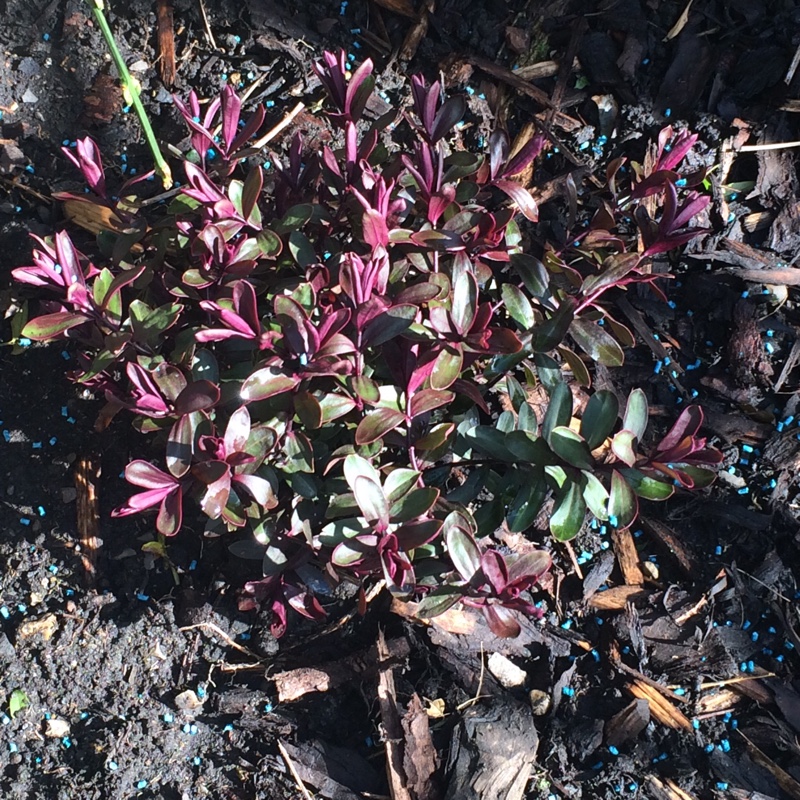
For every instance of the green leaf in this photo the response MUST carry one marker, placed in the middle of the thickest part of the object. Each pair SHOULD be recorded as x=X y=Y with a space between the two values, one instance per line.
x=506 y=422
x=371 y=500
x=339 y=531
x=301 y=249
x=416 y=503
x=553 y=330
x=463 y=551
x=465 y=295
x=148 y=324
x=701 y=476
x=437 y=602
x=298 y=452
x=377 y=424
x=576 y=364
x=533 y=274
x=622 y=502
x=50 y=326
x=613 y=270
x=647 y=487
x=599 y=417
x=334 y=406
x=516 y=394
x=518 y=306
x=308 y=409
x=356 y=466
x=597 y=342
x=559 y=410
x=528 y=448
x=548 y=370
x=435 y=437
x=569 y=512
x=295 y=218
x=16 y=702
x=267 y=382
x=400 y=482
x=527 y=502
x=526 y=421
x=571 y=447
x=446 y=368
x=389 y=324
x=490 y=441
x=636 y=413
x=366 y=389
x=595 y=495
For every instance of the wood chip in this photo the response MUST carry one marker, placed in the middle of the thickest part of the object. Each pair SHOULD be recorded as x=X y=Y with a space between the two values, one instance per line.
x=87 y=475
x=44 y=626
x=294 y=684
x=393 y=729
x=628 y=723
x=662 y=710
x=616 y=598
x=419 y=759
x=166 y=41
x=628 y=558
x=666 y=789
x=403 y=7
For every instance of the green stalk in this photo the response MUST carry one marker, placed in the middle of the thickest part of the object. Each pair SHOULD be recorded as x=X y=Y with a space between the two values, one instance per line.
x=130 y=86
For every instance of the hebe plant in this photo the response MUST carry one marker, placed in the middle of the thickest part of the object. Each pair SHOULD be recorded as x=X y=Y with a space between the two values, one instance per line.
x=326 y=363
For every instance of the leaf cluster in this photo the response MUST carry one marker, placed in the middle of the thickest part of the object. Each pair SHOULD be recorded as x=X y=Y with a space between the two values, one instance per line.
x=316 y=351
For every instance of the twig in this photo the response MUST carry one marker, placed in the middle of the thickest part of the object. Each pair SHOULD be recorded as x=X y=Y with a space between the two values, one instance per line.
x=478 y=695
x=754 y=148
x=281 y=126
x=289 y=763
x=206 y=26
x=224 y=636
x=740 y=679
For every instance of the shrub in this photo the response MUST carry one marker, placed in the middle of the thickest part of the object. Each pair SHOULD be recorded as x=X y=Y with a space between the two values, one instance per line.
x=320 y=362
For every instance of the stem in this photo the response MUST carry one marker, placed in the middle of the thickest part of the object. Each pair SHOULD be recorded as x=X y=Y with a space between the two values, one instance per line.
x=131 y=86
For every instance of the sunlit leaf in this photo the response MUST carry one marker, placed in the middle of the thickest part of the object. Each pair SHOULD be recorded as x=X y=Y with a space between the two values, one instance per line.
x=647 y=487
x=267 y=382
x=559 y=410
x=377 y=424
x=518 y=306
x=569 y=513
x=371 y=500
x=595 y=495
x=622 y=445
x=597 y=342
x=463 y=552
x=636 y=414
x=570 y=446
x=622 y=503
x=49 y=326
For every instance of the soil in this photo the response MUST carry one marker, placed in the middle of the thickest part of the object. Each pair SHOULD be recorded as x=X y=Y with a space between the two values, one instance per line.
x=132 y=677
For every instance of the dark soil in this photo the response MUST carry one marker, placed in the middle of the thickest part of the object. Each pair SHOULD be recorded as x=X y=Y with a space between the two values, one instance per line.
x=144 y=680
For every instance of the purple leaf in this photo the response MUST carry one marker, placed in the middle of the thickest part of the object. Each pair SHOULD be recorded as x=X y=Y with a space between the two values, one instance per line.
x=452 y=110
x=267 y=382
x=428 y=400
x=198 y=396
x=377 y=424
x=521 y=196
